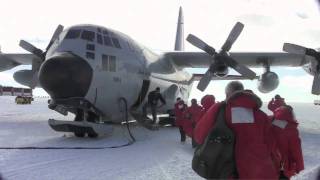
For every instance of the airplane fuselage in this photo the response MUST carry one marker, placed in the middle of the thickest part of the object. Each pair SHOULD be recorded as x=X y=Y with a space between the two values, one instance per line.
x=121 y=68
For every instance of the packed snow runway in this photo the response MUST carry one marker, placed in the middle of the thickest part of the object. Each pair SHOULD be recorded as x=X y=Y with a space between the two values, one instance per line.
x=155 y=155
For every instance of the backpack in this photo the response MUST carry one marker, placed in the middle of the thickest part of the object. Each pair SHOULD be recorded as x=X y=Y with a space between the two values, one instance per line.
x=214 y=159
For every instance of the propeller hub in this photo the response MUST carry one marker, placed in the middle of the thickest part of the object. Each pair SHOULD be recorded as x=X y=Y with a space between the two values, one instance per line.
x=221 y=60
x=219 y=68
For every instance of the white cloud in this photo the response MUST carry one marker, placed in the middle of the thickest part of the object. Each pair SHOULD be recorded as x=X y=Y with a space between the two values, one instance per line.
x=153 y=24
x=301 y=82
x=6 y=79
x=215 y=88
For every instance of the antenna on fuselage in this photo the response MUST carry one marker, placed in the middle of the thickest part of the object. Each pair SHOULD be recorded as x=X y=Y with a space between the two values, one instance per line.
x=179 y=45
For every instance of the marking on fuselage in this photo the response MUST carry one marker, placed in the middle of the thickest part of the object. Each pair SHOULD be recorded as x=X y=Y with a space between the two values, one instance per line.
x=117 y=79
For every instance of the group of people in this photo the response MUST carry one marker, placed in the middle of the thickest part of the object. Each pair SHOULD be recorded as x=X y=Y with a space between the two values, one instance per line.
x=266 y=147
x=188 y=117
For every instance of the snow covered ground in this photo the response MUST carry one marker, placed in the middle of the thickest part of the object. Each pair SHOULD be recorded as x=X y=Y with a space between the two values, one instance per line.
x=155 y=155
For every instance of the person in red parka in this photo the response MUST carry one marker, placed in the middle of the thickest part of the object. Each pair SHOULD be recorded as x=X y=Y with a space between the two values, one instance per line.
x=179 y=109
x=191 y=116
x=284 y=128
x=276 y=102
x=252 y=130
x=207 y=101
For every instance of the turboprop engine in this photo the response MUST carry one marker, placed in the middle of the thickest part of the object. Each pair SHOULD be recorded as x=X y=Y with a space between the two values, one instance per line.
x=220 y=69
x=26 y=77
x=30 y=77
x=314 y=66
x=221 y=60
x=268 y=82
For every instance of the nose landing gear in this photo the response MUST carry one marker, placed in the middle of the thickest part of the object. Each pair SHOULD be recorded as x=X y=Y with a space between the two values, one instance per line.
x=81 y=116
x=87 y=119
x=84 y=123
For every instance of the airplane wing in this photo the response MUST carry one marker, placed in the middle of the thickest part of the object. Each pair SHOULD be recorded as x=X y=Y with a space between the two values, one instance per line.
x=8 y=61
x=251 y=59
x=197 y=77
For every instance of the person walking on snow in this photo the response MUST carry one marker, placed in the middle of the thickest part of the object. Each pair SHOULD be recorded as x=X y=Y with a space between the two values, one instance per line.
x=192 y=116
x=207 y=101
x=252 y=130
x=276 y=102
x=153 y=98
x=179 y=109
x=285 y=130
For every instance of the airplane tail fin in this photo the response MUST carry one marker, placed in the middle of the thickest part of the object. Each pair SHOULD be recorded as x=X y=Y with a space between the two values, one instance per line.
x=179 y=45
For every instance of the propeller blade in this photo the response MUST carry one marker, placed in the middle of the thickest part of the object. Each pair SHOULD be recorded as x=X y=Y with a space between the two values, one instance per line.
x=243 y=70
x=205 y=80
x=234 y=34
x=194 y=40
x=55 y=35
x=31 y=48
x=316 y=84
x=293 y=48
x=296 y=49
x=34 y=80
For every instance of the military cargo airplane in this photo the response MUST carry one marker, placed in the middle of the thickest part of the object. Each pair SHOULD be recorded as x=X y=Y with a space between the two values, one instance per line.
x=97 y=73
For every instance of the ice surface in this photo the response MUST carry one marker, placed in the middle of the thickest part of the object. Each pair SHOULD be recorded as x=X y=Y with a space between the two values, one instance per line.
x=155 y=155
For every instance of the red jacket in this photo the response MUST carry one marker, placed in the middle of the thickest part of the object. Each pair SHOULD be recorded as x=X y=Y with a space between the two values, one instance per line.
x=191 y=117
x=207 y=101
x=287 y=137
x=179 y=109
x=275 y=103
x=251 y=128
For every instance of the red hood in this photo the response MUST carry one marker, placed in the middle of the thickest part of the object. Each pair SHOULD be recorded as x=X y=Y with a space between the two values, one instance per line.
x=207 y=101
x=279 y=102
x=245 y=99
x=285 y=113
x=181 y=102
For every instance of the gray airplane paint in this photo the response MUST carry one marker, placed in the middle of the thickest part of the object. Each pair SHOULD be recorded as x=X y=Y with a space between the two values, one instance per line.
x=179 y=45
x=134 y=64
x=135 y=69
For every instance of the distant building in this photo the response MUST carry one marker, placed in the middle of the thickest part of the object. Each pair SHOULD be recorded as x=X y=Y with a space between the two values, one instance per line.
x=12 y=91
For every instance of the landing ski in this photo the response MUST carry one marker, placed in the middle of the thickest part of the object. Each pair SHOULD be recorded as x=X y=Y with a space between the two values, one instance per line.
x=81 y=127
x=145 y=121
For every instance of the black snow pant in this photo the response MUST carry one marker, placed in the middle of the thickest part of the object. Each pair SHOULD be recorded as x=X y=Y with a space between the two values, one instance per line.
x=194 y=143
x=182 y=134
x=153 y=111
x=282 y=176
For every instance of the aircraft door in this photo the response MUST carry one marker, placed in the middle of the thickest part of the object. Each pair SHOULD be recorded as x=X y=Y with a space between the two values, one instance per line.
x=142 y=94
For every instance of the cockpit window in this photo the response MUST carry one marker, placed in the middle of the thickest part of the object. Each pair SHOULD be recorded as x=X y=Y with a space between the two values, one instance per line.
x=116 y=43
x=87 y=35
x=107 y=41
x=105 y=32
x=99 y=39
x=73 y=34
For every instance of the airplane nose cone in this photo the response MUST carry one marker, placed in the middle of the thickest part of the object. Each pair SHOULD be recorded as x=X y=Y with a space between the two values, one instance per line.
x=65 y=75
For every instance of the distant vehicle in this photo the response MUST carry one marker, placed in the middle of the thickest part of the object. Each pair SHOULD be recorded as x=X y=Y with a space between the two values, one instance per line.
x=316 y=102
x=24 y=99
